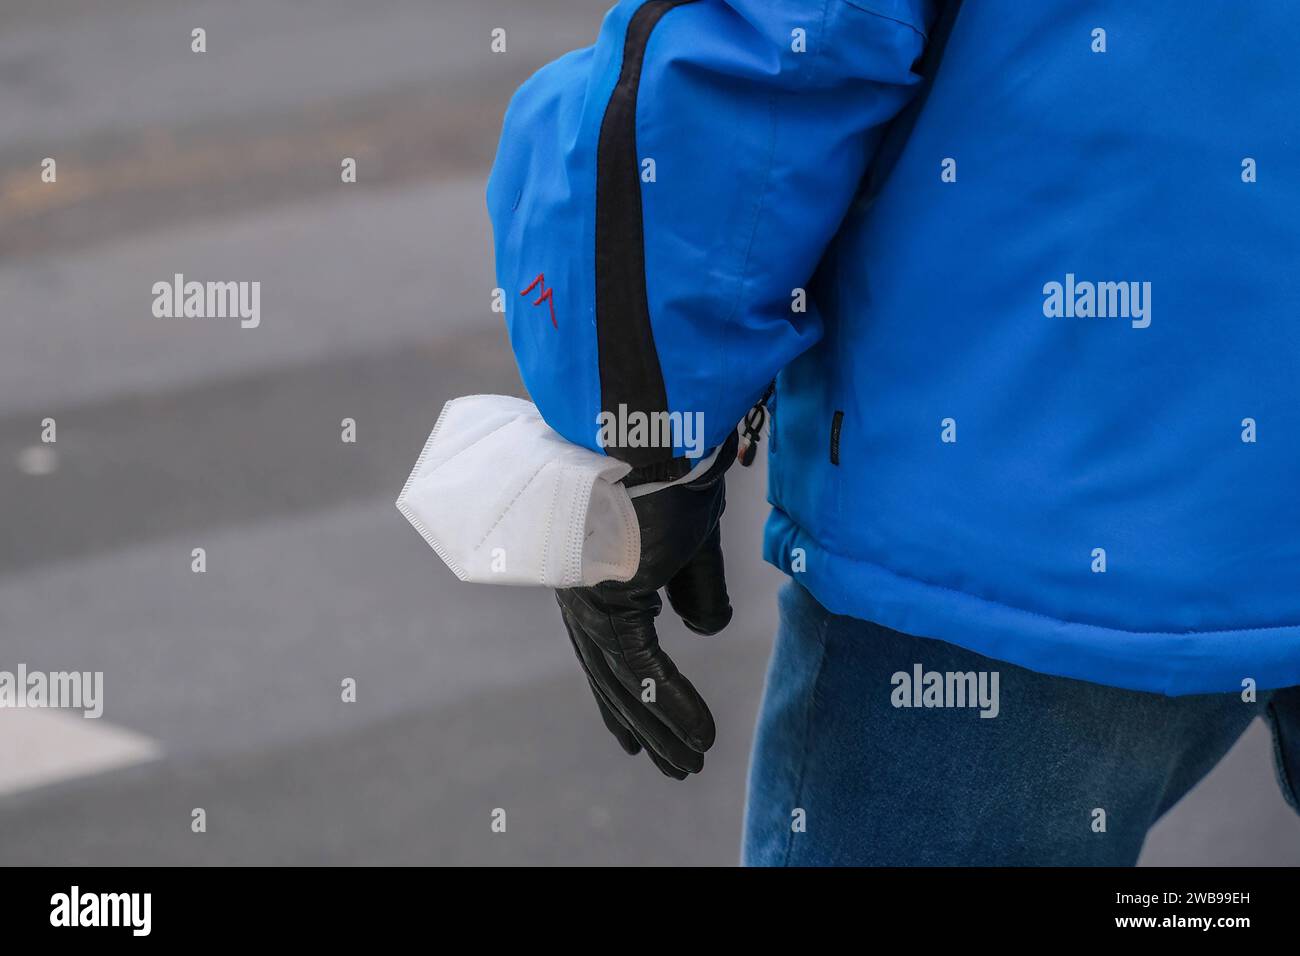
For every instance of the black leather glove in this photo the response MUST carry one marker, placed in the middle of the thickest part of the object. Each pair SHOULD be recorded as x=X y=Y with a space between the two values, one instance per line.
x=612 y=625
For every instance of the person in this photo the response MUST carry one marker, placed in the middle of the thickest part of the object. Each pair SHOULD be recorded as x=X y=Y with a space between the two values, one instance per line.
x=1024 y=277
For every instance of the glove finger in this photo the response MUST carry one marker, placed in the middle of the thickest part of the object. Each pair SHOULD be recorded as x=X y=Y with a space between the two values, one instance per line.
x=652 y=732
x=674 y=699
x=628 y=647
x=698 y=592
x=614 y=724
x=666 y=768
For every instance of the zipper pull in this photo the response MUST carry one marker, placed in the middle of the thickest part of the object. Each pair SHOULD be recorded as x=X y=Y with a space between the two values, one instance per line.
x=752 y=428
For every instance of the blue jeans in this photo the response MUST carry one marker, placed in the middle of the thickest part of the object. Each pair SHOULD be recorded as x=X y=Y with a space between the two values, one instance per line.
x=871 y=750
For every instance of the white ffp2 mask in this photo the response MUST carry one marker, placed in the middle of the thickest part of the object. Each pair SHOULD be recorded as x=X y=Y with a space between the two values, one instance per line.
x=504 y=499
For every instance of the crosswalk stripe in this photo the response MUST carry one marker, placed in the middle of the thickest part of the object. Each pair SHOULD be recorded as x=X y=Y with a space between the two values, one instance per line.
x=40 y=747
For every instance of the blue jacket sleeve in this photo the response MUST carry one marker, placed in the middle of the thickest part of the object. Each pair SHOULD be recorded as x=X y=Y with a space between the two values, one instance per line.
x=658 y=198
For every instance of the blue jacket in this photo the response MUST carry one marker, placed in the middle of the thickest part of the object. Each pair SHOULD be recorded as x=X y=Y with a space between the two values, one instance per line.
x=1035 y=320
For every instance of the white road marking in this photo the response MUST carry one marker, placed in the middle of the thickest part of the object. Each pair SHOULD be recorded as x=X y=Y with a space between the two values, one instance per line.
x=39 y=747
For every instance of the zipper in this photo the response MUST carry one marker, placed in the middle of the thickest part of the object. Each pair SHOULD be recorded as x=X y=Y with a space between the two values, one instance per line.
x=751 y=430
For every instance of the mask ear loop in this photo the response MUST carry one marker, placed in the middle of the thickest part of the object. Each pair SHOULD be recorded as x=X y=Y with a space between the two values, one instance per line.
x=700 y=468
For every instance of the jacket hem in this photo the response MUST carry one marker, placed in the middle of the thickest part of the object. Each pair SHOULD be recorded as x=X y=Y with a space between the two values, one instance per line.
x=1170 y=663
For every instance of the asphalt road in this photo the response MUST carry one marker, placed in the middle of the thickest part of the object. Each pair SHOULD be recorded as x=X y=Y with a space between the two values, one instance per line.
x=223 y=688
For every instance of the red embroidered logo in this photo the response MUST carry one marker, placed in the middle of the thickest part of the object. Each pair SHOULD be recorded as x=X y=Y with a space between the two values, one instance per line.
x=544 y=296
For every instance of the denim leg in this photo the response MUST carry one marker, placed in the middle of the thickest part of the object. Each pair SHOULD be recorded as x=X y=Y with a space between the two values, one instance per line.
x=1066 y=772
x=781 y=741
x=1284 y=721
